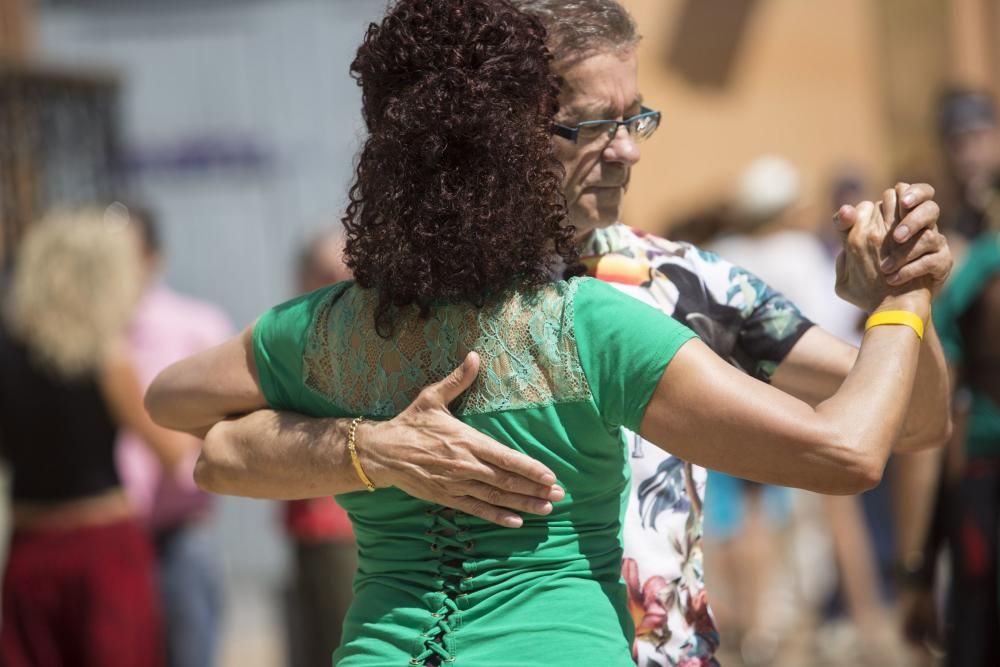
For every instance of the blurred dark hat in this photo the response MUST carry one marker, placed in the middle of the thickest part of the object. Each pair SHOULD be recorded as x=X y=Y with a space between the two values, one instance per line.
x=964 y=111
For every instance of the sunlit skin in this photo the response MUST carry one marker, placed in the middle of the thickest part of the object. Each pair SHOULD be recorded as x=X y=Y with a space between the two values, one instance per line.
x=604 y=86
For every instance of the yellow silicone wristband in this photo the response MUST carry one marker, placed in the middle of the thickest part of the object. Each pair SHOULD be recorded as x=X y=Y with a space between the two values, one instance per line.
x=903 y=317
x=354 y=455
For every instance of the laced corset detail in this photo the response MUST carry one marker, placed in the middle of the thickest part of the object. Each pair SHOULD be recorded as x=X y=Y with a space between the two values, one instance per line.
x=525 y=340
x=451 y=544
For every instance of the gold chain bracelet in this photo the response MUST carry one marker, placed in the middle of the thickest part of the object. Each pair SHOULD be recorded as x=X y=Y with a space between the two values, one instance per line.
x=354 y=454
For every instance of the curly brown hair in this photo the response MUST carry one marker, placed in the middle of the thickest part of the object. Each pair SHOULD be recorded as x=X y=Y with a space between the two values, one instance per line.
x=457 y=192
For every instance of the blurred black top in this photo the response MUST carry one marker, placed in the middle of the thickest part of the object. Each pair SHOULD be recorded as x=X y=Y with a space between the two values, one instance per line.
x=57 y=435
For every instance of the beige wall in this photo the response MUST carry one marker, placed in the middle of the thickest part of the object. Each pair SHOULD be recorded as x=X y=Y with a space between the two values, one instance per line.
x=806 y=84
x=14 y=28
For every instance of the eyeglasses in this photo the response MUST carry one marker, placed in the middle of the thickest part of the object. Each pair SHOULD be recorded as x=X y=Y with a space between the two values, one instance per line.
x=639 y=127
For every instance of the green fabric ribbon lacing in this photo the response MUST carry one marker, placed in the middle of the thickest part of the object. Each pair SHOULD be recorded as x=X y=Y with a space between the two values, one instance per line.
x=450 y=544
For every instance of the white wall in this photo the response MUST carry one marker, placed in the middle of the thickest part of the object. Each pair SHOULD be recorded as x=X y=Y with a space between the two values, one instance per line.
x=269 y=76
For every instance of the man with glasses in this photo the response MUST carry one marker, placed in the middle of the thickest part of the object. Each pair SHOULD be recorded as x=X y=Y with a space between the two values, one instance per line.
x=427 y=453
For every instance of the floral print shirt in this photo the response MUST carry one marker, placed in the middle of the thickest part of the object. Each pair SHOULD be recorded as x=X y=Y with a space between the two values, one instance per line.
x=751 y=326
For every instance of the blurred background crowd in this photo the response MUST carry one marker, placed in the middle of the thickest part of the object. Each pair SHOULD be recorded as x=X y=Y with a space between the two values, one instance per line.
x=227 y=128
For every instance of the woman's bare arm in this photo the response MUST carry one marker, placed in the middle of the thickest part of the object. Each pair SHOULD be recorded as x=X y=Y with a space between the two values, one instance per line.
x=195 y=394
x=815 y=368
x=818 y=364
x=123 y=392
x=706 y=412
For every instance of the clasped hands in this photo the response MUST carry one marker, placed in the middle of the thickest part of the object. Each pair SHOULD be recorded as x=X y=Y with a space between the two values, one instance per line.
x=892 y=248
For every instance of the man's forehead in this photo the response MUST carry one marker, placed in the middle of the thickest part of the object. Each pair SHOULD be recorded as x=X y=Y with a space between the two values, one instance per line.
x=603 y=83
x=596 y=106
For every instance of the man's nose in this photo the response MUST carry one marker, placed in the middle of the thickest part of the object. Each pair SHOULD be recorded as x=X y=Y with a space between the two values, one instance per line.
x=622 y=148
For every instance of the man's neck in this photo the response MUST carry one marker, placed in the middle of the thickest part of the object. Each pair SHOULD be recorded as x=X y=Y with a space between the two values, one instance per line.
x=584 y=234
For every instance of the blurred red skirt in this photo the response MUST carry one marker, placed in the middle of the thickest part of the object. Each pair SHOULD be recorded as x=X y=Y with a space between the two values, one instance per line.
x=81 y=597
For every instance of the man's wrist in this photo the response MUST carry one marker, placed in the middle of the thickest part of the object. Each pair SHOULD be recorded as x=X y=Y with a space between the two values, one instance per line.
x=368 y=444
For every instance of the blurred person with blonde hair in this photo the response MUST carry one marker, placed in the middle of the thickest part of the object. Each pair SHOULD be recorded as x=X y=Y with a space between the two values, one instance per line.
x=79 y=587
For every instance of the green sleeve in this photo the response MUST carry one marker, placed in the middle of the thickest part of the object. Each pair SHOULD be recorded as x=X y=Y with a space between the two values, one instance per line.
x=624 y=346
x=279 y=341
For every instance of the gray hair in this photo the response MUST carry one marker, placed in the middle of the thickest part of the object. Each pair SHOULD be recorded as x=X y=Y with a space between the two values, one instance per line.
x=579 y=28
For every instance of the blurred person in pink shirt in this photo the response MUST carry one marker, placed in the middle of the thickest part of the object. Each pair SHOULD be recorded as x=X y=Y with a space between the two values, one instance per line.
x=165 y=328
x=320 y=530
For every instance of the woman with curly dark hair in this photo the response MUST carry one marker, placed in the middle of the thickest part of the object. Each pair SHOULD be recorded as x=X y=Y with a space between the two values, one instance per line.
x=455 y=228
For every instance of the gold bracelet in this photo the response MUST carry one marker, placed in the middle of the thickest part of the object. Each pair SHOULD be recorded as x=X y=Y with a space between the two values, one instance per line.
x=354 y=454
x=903 y=317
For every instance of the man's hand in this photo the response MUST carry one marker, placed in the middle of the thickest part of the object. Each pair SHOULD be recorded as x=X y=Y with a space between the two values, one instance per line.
x=917 y=249
x=428 y=453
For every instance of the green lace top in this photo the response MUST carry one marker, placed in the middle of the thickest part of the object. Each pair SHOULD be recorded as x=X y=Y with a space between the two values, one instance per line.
x=562 y=369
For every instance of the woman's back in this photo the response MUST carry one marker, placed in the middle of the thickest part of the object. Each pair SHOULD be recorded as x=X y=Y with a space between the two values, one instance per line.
x=433 y=583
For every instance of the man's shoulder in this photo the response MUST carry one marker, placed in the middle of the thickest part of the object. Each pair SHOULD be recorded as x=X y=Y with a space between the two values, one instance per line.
x=639 y=238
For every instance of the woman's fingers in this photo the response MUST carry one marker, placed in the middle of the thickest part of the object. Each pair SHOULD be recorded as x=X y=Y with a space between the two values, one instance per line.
x=915 y=194
x=929 y=265
x=925 y=255
x=924 y=216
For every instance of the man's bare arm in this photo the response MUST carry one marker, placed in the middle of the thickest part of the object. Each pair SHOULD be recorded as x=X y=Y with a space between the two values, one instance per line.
x=424 y=451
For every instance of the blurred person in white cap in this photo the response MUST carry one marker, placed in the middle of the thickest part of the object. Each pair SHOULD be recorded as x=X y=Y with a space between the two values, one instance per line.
x=767 y=236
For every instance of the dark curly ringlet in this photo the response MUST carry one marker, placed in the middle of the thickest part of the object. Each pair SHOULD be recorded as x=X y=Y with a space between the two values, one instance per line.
x=457 y=192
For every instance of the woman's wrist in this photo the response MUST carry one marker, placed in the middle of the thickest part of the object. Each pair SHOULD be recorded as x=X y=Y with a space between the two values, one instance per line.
x=917 y=302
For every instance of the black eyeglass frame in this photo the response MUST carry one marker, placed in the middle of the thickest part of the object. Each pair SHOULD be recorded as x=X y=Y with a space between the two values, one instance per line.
x=573 y=133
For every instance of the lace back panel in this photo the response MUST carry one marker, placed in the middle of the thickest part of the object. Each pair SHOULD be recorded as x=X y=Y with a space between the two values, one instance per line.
x=525 y=341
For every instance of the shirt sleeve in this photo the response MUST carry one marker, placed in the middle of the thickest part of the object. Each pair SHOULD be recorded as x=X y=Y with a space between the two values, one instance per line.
x=624 y=347
x=767 y=324
x=279 y=342
x=769 y=333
